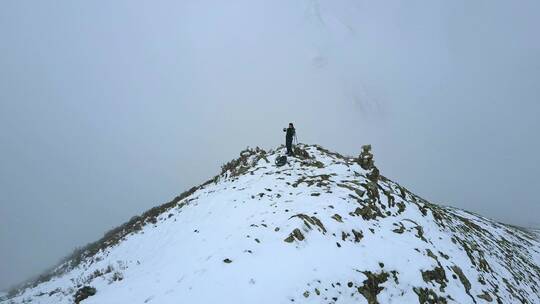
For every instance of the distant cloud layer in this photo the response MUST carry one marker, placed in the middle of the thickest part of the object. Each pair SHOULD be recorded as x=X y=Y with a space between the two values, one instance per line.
x=109 y=108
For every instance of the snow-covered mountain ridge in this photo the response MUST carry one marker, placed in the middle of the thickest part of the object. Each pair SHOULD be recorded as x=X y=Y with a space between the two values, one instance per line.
x=324 y=228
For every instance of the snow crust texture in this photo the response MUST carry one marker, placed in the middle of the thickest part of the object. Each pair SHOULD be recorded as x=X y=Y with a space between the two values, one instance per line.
x=320 y=229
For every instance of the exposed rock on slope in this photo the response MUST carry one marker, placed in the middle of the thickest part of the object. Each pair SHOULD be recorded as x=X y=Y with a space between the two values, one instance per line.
x=323 y=229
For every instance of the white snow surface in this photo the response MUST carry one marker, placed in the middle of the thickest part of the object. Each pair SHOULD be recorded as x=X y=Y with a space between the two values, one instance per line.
x=225 y=243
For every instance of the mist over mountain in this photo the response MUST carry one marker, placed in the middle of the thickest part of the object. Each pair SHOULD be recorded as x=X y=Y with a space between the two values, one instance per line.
x=107 y=108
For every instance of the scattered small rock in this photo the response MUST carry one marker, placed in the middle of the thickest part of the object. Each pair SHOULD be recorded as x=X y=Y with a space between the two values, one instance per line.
x=337 y=217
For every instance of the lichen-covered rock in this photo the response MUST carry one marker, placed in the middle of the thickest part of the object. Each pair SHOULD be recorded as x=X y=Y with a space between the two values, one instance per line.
x=83 y=293
x=371 y=287
x=295 y=234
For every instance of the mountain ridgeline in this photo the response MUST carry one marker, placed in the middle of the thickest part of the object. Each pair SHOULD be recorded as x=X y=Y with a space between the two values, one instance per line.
x=324 y=228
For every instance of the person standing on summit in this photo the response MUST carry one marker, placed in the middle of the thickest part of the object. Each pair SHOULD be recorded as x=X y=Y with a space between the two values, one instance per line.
x=290 y=134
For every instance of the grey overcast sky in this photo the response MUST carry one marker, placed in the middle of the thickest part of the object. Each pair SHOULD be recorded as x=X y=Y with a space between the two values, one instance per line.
x=108 y=108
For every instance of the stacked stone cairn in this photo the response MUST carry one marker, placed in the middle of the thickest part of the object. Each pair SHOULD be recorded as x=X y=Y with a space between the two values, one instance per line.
x=371 y=210
x=365 y=160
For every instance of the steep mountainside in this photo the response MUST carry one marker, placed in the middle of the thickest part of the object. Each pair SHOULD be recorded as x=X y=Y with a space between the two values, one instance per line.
x=322 y=229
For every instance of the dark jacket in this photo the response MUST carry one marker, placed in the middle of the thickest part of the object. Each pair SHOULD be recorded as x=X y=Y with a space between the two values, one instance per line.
x=290 y=133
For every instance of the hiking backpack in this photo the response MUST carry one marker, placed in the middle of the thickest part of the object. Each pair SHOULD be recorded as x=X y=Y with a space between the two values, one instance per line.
x=281 y=160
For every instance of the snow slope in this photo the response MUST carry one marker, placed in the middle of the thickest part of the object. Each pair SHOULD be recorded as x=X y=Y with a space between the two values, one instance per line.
x=318 y=230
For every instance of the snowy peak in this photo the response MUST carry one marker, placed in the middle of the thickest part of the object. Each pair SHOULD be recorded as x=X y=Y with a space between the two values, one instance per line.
x=324 y=228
